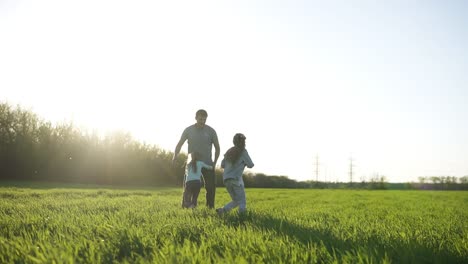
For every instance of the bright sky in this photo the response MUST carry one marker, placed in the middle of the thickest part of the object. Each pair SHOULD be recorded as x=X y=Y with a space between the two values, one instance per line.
x=381 y=82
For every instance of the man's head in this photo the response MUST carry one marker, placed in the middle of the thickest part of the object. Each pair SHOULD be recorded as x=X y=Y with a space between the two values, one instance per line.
x=201 y=116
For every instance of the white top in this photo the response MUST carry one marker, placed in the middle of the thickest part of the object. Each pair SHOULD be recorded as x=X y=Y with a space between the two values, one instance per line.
x=235 y=171
x=195 y=175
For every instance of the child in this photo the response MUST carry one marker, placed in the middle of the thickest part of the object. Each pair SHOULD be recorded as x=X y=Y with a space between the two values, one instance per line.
x=192 y=182
x=234 y=162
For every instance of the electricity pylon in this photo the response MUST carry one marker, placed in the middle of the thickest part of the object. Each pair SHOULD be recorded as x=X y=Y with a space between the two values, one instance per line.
x=351 y=165
x=316 y=167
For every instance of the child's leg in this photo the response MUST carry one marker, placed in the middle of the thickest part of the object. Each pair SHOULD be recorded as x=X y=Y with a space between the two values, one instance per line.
x=242 y=200
x=232 y=186
x=238 y=197
x=196 y=186
x=186 y=197
x=229 y=206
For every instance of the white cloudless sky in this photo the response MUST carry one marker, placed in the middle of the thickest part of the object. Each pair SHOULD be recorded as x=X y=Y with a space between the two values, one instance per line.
x=383 y=83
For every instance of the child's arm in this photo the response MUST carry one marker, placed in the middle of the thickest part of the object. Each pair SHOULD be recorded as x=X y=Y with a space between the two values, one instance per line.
x=247 y=160
x=206 y=166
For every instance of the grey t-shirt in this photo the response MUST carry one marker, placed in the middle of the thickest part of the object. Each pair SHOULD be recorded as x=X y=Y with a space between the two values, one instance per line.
x=201 y=140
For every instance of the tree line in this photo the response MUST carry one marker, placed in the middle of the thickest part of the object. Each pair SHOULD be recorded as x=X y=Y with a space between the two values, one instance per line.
x=32 y=149
x=442 y=183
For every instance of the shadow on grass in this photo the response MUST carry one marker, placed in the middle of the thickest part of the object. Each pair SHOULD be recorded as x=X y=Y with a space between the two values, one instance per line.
x=397 y=251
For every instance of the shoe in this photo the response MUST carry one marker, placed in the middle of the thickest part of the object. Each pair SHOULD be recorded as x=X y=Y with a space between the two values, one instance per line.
x=220 y=211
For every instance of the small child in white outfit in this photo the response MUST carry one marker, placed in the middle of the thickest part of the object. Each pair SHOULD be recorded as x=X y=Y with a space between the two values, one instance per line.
x=192 y=183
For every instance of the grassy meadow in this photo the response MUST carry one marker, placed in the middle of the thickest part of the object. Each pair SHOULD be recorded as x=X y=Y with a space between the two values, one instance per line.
x=78 y=224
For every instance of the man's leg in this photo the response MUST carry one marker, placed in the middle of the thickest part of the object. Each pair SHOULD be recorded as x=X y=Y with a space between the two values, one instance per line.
x=210 y=186
x=183 y=193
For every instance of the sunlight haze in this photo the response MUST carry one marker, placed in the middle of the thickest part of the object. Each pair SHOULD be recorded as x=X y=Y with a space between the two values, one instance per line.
x=381 y=83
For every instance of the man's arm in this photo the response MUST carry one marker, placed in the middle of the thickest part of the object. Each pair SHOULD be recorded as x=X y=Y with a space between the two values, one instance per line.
x=217 y=151
x=177 y=149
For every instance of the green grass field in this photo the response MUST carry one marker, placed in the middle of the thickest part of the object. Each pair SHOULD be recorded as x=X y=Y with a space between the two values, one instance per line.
x=92 y=225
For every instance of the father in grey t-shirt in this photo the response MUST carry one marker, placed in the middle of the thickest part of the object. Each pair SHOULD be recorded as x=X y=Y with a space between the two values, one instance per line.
x=201 y=138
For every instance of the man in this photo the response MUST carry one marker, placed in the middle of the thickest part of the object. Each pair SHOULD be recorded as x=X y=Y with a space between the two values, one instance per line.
x=201 y=138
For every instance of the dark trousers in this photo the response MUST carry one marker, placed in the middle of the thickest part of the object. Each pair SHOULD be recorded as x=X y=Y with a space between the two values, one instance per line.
x=210 y=186
x=191 y=191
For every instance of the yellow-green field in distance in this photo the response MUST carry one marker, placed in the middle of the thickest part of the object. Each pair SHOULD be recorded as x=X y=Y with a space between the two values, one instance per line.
x=70 y=224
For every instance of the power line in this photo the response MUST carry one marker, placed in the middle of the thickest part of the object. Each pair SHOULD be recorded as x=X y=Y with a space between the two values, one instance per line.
x=351 y=165
x=316 y=163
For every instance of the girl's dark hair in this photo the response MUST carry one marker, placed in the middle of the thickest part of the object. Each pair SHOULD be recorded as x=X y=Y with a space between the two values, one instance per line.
x=193 y=161
x=233 y=154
